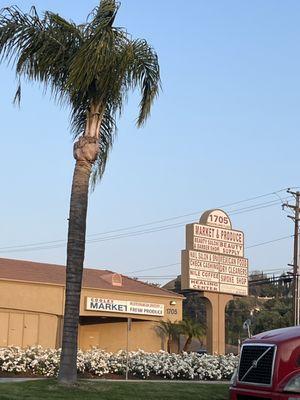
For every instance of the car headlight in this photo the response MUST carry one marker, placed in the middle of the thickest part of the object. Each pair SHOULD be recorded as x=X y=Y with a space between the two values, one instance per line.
x=233 y=378
x=293 y=385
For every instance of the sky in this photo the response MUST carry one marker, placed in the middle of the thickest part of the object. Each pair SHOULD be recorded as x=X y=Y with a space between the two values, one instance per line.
x=224 y=129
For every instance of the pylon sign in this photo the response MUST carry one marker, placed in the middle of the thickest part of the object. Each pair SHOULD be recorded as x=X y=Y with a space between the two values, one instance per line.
x=213 y=260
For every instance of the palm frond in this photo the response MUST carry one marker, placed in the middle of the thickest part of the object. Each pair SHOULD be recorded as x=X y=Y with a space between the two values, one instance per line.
x=17 y=97
x=103 y=16
x=145 y=73
x=94 y=68
x=91 y=67
x=169 y=328
x=39 y=47
x=192 y=328
x=142 y=71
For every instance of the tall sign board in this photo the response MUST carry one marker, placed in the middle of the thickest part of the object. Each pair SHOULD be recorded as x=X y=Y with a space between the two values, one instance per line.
x=213 y=260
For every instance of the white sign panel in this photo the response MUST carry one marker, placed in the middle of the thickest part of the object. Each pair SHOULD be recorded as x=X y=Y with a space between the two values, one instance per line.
x=214 y=259
x=205 y=285
x=232 y=289
x=218 y=240
x=218 y=246
x=216 y=218
x=218 y=262
x=217 y=273
x=124 y=306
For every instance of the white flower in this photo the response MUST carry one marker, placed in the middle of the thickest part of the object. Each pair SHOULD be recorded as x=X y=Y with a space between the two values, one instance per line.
x=97 y=362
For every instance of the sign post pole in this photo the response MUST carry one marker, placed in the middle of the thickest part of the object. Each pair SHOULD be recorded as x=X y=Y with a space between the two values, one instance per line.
x=129 y=320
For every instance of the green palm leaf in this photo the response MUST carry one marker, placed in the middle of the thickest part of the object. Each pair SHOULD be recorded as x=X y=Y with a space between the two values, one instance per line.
x=84 y=66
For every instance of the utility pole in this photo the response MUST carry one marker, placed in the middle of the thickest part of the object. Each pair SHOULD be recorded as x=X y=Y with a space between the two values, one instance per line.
x=295 y=265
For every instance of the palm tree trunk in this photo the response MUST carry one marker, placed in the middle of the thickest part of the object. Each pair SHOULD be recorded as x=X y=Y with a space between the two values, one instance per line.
x=75 y=258
x=187 y=344
x=169 y=345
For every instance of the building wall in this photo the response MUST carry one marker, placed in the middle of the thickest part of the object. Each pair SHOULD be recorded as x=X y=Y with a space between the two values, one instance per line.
x=31 y=297
x=112 y=337
x=18 y=328
x=31 y=314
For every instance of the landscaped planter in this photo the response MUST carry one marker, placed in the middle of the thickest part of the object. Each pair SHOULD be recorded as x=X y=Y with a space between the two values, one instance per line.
x=36 y=361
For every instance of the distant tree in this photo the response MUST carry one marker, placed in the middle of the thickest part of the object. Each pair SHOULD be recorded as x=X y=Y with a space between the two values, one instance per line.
x=267 y=286
x=269 y=306
x=154 y=284
x=194 y=307
x=170 y=330
x=237 y=311
x=284 y=286
x=191 y=329
x=273 y=314
x=264 y=286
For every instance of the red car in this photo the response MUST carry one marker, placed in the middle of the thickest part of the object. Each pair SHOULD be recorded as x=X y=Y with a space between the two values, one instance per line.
x=269 y=367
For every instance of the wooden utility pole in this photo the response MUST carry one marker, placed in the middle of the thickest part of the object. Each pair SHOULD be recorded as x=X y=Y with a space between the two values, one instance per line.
x=296 y=267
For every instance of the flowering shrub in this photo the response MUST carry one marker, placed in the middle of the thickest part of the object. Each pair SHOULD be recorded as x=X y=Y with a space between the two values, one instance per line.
x=39 y=361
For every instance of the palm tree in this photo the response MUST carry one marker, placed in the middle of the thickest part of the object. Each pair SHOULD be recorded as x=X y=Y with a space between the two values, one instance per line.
x=170 y=330
x=191 y=329
x=90 y=68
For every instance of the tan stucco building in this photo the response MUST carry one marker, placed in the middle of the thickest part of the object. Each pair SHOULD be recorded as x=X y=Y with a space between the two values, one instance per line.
x=32 y=304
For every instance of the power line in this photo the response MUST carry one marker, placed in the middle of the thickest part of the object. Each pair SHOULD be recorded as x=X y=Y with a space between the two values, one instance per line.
x=173 y=277
x=156 y=277
x=178 y=263
x=144 y=269
x=152 y=268
x=269 y=280
x=190 y=214
x=256 y=207
x=268 y=271
x=269 y=241
x=59 y=243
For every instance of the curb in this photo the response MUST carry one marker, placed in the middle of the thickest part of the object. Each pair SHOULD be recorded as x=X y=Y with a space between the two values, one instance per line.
x=158 y=381
x=99 y=380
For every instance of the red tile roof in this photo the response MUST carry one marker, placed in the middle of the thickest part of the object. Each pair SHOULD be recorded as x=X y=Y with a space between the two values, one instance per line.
x=29 y=271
